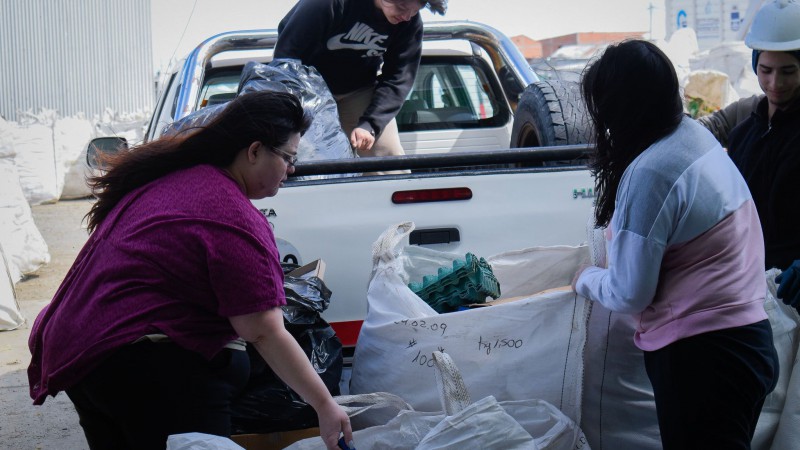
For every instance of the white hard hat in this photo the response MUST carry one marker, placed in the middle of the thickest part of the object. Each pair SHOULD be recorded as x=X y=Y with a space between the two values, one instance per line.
x=775 y=27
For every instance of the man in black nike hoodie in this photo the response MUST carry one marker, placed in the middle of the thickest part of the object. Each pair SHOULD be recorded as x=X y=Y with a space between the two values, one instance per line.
x=368 y=52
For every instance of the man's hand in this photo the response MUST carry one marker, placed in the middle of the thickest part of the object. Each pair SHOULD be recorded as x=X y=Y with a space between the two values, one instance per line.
x=789 y=288
x=361 y=139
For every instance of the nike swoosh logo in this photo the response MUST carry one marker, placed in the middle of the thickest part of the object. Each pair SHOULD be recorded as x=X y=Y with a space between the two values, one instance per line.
x=335 y=43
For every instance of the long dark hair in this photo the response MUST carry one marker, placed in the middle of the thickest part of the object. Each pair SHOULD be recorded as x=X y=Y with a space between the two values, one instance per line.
x=633 y=98
x=264 y=116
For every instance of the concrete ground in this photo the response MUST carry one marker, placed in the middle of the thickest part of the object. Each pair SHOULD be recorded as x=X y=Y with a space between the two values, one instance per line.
x=53 y=425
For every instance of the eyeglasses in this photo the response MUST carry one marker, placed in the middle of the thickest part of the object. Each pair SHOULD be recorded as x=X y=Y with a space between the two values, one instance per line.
x=405 y=6
x=288 y=158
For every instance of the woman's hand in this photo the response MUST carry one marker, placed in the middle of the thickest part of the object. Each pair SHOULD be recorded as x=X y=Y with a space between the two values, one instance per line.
x=578 y=273
x=284 y=356
x=333 y=421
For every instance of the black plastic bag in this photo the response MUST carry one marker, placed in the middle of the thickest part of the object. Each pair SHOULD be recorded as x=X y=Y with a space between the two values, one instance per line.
x=324 y=139
x=267 y=403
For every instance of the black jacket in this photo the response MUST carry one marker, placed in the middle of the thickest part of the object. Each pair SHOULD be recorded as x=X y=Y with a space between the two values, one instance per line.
x=721 y=122
x=767 y=152
x=349 y=42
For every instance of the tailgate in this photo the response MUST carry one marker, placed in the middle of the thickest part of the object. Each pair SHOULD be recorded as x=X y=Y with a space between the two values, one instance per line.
x=339 y=221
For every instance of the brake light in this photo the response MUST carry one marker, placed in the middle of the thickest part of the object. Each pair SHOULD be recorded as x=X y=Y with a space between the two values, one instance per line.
x=432 y=195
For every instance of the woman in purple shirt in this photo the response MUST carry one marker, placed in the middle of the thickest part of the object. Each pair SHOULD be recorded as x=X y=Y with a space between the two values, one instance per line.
x=146 y=332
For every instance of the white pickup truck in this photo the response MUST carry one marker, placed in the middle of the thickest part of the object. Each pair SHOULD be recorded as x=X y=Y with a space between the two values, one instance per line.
x=467 y=189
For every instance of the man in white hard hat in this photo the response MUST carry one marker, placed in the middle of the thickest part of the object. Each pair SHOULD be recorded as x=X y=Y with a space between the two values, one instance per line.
x=766 y=146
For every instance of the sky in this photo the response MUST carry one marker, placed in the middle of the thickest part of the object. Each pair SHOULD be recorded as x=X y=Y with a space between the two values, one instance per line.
x=179 y=25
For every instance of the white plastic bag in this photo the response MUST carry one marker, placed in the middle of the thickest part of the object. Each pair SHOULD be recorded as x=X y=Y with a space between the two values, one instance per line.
x=484 y=425
x=779 y=424
x=466 y=425
x=530 y=348
x=369 y=410
x=200 y=441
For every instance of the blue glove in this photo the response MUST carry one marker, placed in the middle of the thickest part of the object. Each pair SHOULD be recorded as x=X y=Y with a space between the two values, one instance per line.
x=344 y=446
x=789 y=289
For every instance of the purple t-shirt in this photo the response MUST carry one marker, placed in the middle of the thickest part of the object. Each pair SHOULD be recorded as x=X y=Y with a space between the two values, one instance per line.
x=178 y=257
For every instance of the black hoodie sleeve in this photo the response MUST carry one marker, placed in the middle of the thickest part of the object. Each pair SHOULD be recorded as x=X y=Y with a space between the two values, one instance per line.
x=400 y=65
x=304 y=28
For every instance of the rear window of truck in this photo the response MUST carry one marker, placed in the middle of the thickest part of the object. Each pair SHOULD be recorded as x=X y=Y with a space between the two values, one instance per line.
x=448 y=93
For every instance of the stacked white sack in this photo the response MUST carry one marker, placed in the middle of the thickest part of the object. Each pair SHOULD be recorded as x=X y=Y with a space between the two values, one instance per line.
x=22 y=243
x=35 y=160
x=71 y=136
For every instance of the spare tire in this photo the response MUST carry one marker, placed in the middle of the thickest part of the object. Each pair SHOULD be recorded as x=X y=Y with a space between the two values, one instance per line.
x=550 y=113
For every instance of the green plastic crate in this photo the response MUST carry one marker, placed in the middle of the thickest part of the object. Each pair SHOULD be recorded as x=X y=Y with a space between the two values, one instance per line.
x=469 y=281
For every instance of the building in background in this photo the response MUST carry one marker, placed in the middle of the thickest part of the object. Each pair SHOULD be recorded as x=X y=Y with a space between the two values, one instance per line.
x=544 y=48
x=530 y=48
x=585 y=40
x=714 y=21
x=564 y=57
x=78 y=56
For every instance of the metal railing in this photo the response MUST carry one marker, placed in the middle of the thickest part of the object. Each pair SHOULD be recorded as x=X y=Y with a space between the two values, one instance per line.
x=524 y=156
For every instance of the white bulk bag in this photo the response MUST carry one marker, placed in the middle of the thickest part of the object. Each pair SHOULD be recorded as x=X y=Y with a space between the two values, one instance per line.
x=787 y=433
x=777 y=427
x=526 y=349
x=618 y=403
x=36 y=163
x=24 y=246
x=71 y=136
x=10 y=316
x=619 y=410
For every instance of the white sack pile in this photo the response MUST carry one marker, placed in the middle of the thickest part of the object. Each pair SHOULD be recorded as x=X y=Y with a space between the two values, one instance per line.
x=43 y=160
x=21 y=241
x=51 y=150
x=720 y=75
x=130 y=126
x=35 y=157
x=732 y=59
x=71 y=135
x=10 y=316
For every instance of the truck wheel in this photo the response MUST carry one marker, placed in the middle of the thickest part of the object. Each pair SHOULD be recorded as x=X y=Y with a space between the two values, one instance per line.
x=550 y=113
